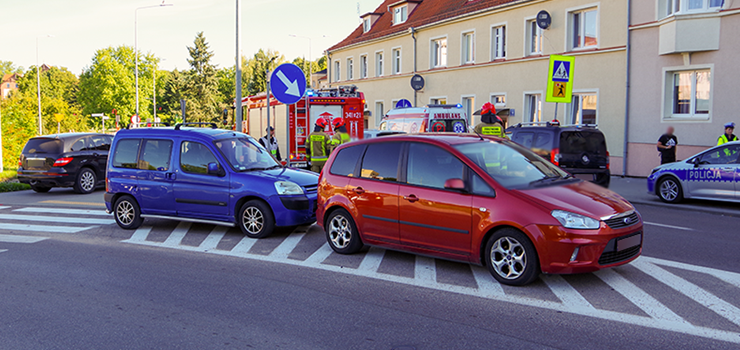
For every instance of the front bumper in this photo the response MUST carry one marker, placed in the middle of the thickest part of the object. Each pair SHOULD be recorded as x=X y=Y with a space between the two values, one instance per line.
x=294 y=210
x=55 y=177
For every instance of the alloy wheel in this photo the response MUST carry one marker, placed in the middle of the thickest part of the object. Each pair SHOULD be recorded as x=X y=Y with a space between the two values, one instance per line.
x=87 y=181
x=253 y=220
x=340 y=232
x=669 y=190
x=125 y=212
x=508 y=257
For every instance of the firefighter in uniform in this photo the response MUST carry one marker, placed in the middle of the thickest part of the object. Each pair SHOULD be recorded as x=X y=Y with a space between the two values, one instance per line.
x=728 y=136
x=270 y=143
x=490 y=124
x=340 y=133
x=317 y=147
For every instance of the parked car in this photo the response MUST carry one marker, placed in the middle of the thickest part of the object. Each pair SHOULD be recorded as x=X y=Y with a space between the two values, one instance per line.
x=713 y=175
x=76 y=160
x=578 y=149
x=476 y=199
x=205 y=175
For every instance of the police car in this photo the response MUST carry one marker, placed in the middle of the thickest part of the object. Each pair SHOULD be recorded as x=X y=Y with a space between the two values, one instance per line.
x=713 y=174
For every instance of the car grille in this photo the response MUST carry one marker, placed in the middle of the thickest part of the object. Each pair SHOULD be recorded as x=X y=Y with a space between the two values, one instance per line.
x=622 y=221
x=311 y=189
x=612 y=256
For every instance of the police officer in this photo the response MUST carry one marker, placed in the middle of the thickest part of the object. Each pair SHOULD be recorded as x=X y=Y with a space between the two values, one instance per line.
x=491 y=124
x=270 y=143
x=317 y=147
x=340 y=133
x=728 y=136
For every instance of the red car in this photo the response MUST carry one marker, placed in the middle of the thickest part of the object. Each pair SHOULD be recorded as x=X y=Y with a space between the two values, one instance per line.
x=476 y=199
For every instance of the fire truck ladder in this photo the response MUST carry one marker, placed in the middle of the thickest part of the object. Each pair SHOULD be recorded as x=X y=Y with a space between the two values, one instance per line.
x=301 y=114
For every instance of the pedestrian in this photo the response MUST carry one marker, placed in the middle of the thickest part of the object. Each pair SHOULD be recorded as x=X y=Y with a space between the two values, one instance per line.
x=728 y=136
x=667 y=146
x=491 y=124
x=270 y=143
x=317 y=147
x=340 y=133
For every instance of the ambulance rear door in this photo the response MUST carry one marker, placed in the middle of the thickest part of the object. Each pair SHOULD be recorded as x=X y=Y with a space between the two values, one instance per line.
x=328 y=112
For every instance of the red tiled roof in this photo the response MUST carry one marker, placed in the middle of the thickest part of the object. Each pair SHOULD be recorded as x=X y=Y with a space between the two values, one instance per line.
x=426 y=12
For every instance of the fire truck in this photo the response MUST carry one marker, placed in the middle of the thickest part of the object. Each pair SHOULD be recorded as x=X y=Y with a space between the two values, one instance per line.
x=331 y=103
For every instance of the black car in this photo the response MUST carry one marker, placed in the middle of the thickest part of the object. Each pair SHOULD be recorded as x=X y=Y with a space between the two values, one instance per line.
x=577 y=149
x=76 y=160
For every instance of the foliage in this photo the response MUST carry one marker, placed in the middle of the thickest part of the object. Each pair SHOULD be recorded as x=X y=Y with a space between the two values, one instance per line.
x=7 y=67
x=13 y=186
x=202 y=88
x=8 y=174
x=258 y=67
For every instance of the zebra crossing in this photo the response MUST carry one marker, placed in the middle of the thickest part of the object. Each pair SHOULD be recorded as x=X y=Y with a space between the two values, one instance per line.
x=51 y=220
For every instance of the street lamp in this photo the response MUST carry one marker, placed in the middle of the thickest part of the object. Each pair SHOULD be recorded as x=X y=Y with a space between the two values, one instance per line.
x=38 y=81
x=309 y=56
x=136 y=47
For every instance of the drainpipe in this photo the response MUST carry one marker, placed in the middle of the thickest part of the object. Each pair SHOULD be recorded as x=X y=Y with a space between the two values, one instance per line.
x=627 y=92
x=329 y=72
x=413 y=36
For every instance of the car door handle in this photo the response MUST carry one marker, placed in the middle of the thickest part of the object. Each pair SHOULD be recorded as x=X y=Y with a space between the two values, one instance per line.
x=359 y=190
x=729 y=170
x=411 y=198
x=170 y=176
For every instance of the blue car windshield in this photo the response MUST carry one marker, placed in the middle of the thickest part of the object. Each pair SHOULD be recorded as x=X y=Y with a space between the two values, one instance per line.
x=246 y=154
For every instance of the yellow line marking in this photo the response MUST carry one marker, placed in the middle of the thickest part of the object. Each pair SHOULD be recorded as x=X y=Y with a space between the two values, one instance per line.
x=75 y=203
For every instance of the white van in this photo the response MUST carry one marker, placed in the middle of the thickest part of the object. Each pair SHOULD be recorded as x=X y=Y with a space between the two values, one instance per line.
x=432 y=118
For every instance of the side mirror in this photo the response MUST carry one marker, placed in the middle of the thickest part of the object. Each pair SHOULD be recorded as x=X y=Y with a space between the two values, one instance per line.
x=455 y=184
x=214 y=169
x=695 y=161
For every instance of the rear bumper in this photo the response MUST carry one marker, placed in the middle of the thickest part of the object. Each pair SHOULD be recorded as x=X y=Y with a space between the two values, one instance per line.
x=51 y=178
x=108 y=198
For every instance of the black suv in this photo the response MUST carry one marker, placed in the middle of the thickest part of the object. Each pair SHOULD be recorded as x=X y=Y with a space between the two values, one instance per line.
x=75 y=160
x=577 y=149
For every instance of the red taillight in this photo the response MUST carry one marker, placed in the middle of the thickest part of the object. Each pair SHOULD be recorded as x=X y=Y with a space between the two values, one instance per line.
x=555 y=156
x=20 y=163
x=107 y=184
x=62 y=161
x=607 y=160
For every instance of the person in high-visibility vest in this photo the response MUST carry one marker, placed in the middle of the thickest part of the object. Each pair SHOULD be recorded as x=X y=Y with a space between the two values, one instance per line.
x=728 y=136
x=317 y=146
x=340 y=133
x=270 y=143
x=490 y=124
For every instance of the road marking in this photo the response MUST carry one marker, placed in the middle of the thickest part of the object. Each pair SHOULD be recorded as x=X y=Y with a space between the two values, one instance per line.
x=211 y=242
x=425 y=269
x=565 y=292
x=637 y=296
x=63 y=211
x=727 y=276
x=320 y=255
x=283 y=250
x=4 y=207
x=486 y=284
x=371 y=262
x=668 y=226
x=21 y=239
x=139 y=235
x=174 y=239
x=74 y=203
x=3 y=250
x=242 y=248
x=691 y=290
x=56 y=219
x=42 y=228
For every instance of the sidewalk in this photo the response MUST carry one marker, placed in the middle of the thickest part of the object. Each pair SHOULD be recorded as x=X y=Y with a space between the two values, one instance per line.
x=635 y=191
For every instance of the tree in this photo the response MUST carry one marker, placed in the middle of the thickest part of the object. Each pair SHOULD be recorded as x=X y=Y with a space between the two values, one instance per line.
x=7 y=67
x=263 y=62
x=175 y=86
x=310 y=67
x=202 y=88
x=59 y=89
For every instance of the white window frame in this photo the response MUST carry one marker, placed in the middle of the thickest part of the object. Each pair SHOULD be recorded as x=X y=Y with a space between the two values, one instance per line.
x=569 y=109
x=528 y=25
x=403 y=12
x=472 y=106
x=433 y=52
x=350 y=68
x=496 y=52
x=379 y=116
x=494 y=94
x=366 y=24
x=569 y=38
x=337 y=71
x=396 y=65
x=363 y=66
x=527 y=110
x=379 y=63
x=464 y=49
x=667 y=8
x=668 y=84
x=431 y=100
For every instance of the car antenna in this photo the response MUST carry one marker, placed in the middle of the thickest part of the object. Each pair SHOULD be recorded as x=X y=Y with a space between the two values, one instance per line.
x=479 y=135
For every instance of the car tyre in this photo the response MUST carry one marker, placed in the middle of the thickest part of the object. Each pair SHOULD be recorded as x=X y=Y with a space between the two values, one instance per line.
x=669 y=190
x=127 y=213
x=86 y=181
x=511 y=257
x=40 y=189
x=342 y=233
x=255 y=219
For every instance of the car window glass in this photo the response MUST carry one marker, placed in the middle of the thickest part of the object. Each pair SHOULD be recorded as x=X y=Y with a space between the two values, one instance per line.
x=194 y=158
x=126 y=153
x=381 y=161
x=100 y=143
x=431 y=166
x=724 y=155
x=42 y=145
x=78 y=145
x=543 y=141
x=577 y=142
x=524 y=138
x=480 y=187
x=346 y=160
x=156 y=155
x=245 y=154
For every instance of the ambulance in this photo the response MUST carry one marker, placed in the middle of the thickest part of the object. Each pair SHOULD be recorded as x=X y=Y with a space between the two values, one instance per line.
x=432 y=118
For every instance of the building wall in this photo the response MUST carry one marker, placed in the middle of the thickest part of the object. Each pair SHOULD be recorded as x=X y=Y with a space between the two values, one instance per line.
x=648 y=91
x=599 y=70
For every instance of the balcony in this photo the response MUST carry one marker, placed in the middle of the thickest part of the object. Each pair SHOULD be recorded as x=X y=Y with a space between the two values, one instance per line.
x=688 y=33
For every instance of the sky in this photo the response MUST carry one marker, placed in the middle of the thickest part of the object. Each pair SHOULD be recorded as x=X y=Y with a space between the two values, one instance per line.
x=81 y=27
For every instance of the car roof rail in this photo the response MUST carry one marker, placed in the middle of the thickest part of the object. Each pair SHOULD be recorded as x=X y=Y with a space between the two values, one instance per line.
x=583 y=125
x=180 y=125
x=153 y=125
x=519 y=125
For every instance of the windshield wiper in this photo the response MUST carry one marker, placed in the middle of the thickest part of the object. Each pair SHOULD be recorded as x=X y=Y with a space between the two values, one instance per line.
x=260 y=169
x=545 y=179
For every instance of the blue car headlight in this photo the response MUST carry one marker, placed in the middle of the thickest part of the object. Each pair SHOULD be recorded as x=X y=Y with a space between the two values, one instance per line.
x=575 y=221
x=287 y=188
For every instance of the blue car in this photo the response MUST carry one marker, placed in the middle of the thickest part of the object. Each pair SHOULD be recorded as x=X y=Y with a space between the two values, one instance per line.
x=205 y=175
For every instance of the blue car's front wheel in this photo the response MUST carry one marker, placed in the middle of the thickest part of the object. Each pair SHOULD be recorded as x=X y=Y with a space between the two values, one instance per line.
x=255 y=219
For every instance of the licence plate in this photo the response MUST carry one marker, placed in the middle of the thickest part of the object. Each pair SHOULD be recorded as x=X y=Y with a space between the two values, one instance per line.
x=586 y=177
x=629 y=242
x=36 y=162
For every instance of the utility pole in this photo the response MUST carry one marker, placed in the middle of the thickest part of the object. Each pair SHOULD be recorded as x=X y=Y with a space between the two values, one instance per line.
x=1 y=138
x=238 y=114
x=267 y=80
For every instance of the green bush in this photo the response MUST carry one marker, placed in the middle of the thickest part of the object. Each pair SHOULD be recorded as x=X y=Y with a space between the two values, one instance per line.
x=13 y=186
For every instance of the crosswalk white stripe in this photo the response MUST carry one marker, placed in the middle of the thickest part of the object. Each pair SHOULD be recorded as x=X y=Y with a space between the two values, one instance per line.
x=213 y=238
x=283 y=250
x=319 y=256
x=565 y=292
x=371 y=262
x=487 y=286
x=4 y=207
x=668 y=226
x=727 y=276
x=56 y=219
x=3 y=250
x=425 y=269
x=20 y=239
x=637 y=296
x=139 y=235
x=244 y=245
x=43 y=228
x=691 y=290
x=174 y=239
x=61 y=211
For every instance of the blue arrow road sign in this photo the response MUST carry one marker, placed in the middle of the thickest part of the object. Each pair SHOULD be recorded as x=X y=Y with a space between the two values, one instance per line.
x=288 y=83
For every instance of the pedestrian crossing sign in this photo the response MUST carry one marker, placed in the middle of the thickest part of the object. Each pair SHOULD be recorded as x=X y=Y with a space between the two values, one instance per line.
x=560 y=79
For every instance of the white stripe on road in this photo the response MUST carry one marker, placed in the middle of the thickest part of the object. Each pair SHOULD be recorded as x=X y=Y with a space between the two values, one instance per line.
x=637 y=296
x=425 y=269
x=283 y=250
x=3 y=250
x=174 y=239
x=486 y=284
x=139 y=235
x=691 y=290
x=320 y=255
x=243 y=247
x=371 y=262
x=56 y=219
x=42 y=228
x=211 y=242
x=727 y=276
x=565 y=292
x=20 y=239
x=668 y=226
x=4 y=207
x=62 y=211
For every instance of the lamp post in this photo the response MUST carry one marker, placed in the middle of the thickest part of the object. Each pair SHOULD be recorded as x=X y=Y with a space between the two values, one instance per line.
x=38 y=81
x=310 y=63
x=136 y=47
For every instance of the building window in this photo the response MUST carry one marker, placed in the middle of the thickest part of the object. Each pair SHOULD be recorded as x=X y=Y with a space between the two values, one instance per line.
x=378 y=64
x=468 y=104
x=363 y=67
x=691 y=93
x=534 y=41
x=396 y=61
x=498 y=44
x=438 y=101
x=400 y=14
x=498 y=100
x=584 y=28
x=379 y=112
x=468 y=47
x=533 y=108
x=583 y=109
x=439 y=53
x=671 y=7
x=337 y=71
x=350 y=69
x=702 y=5
x=366 y=25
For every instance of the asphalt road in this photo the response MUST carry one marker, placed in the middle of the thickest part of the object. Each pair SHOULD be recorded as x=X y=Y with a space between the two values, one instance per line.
x=172 y=285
